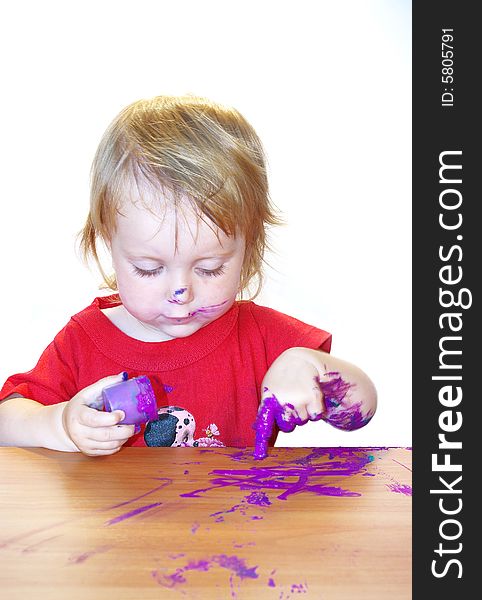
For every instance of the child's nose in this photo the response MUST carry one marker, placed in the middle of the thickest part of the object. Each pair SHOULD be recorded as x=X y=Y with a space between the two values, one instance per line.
x=181 y=295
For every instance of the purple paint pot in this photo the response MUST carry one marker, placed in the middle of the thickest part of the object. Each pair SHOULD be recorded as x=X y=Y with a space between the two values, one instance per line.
x=135 y=397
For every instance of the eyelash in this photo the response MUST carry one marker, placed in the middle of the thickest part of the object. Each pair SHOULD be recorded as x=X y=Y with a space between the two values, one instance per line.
x=145 y=273
x=214 y=273
x=205 y=272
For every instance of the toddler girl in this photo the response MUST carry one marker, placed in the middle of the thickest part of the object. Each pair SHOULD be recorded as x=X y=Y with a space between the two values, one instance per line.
x=179 y=196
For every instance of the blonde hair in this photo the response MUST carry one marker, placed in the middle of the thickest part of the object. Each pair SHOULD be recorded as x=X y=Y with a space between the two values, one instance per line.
x=190 y=148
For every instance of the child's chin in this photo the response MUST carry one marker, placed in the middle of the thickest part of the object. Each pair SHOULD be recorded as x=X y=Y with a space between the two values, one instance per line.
x=184 y=330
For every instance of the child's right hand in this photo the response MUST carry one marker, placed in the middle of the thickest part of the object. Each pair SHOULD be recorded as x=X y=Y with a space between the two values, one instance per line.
x=95 y=432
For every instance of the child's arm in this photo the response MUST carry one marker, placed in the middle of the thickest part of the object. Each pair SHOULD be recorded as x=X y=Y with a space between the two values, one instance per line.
x=320 y=386
x=69 y=426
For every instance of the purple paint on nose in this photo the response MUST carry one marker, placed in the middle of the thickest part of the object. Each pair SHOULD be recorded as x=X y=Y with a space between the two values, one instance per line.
x=180 y=291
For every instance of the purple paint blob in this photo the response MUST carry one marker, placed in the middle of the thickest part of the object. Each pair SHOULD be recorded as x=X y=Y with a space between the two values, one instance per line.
x=271 y=411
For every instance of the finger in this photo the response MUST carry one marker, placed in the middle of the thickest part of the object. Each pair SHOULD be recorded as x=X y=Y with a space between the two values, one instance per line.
x=301 y=415
x=92 y=394
x=314 y=409
x=95 y=418
x=286 y=418
x=121 y=433
x=100 y=451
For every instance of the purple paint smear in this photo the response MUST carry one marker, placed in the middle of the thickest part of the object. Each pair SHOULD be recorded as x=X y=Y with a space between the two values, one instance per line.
x=236 y=565
x=207 y=309
x=81 y=558
x=400 y=489
x=178 y=292
x=343 y=462
x=133 y=513
x=255 y=498
x=339 y=412
x=142 y=509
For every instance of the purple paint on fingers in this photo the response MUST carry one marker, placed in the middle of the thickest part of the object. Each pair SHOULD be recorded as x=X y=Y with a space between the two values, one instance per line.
x=272 y=411
x=340 y=413
x=258 y=498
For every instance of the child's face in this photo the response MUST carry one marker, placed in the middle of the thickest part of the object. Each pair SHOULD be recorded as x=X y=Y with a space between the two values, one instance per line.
x=174 y=290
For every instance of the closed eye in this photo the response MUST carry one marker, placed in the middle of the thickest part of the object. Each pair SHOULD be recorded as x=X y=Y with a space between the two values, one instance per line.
x=147 y=272
x=212 y=272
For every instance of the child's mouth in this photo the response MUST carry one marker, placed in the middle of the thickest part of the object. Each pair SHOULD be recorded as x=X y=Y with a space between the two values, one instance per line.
x=204 y=310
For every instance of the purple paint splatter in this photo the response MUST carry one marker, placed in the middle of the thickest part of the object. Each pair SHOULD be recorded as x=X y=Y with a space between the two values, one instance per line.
x=258 y=498
x=308 y=474
x=400 y=489
x=236 y=565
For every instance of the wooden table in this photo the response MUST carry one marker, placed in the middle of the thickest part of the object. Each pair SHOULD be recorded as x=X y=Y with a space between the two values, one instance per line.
x=206 y=523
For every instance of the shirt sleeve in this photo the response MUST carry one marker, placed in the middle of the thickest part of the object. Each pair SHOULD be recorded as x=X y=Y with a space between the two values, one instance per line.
x=281 y=332
x=53 y=379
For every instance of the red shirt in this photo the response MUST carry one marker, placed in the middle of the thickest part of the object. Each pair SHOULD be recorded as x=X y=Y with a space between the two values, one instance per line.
x=213 y=377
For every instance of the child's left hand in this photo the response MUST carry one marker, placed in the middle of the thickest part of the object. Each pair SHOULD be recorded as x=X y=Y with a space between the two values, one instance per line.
x=293 y=380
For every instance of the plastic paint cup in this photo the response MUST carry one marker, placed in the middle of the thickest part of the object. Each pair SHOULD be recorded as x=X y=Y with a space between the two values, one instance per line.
x=135 y=397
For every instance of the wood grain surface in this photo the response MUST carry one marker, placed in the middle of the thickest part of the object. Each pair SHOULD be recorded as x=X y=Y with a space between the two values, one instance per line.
x=206 y=523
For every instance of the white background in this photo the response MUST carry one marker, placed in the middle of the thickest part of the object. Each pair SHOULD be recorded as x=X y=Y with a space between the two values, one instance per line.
x=327 y=85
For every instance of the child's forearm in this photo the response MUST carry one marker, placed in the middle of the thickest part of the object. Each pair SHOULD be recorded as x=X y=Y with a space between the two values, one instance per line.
x=27 y=423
